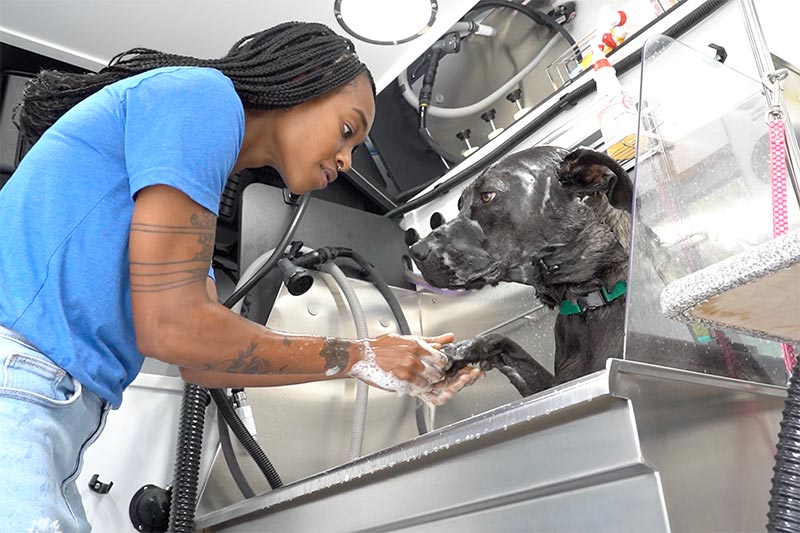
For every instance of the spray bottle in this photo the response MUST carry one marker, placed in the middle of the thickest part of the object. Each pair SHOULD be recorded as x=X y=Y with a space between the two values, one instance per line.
x=616 y=110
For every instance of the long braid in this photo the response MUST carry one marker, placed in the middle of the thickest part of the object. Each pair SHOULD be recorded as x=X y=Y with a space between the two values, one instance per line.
x=276 y=68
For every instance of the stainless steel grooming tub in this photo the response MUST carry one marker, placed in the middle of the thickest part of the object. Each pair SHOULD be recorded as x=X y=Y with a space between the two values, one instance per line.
x=635 y=447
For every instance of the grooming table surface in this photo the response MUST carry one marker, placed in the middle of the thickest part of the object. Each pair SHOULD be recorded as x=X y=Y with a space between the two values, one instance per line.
x=756 y=292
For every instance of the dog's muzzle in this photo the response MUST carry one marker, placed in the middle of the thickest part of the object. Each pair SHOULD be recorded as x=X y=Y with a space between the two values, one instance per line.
x=456 y=267
x=420 y=251
x=431 y=265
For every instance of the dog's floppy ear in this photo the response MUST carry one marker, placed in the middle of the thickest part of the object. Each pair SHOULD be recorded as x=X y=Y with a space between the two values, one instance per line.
x=586 y=171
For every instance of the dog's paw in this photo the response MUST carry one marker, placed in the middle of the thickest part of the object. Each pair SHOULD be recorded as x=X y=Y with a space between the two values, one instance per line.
x=494 y=351
x=457 y=352
x=477 y=350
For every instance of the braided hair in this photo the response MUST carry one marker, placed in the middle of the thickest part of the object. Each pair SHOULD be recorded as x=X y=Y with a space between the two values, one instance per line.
x=276 y=68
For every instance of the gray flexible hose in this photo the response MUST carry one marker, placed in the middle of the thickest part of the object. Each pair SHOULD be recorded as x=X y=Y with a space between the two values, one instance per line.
x=224 y=436
x=229 y=455
x=457 y=112
x=362 y=389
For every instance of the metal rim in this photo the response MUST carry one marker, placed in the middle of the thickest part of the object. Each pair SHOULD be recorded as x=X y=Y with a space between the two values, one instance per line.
x=340 y=19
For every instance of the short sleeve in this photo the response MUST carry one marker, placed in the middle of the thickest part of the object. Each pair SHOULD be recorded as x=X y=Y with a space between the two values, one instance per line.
x=183 y=128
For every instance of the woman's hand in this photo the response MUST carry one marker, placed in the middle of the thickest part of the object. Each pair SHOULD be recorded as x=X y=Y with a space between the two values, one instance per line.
x=403 y=363
x=443 y=391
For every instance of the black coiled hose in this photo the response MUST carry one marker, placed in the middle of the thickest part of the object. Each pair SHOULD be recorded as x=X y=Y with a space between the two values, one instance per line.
x=784 y=503
x=189 y=447
x=187 y=460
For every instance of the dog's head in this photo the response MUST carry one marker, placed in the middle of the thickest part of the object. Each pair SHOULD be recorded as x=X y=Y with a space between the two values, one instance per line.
x=521 y=212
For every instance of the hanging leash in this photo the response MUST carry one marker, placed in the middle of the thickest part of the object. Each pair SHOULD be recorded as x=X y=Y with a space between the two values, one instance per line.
x=778 y=180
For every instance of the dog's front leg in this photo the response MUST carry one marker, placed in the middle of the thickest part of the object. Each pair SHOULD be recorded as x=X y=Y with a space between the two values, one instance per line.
x=500 y=352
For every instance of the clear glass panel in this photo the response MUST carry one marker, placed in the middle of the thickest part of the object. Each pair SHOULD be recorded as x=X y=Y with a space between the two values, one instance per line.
x=702 y=195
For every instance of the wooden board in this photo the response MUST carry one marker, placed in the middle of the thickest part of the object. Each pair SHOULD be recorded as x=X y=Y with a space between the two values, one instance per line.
x=768 y=305
x=756 y=292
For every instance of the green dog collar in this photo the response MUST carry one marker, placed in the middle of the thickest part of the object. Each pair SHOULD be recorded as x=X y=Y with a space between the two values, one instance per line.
x=593 y=300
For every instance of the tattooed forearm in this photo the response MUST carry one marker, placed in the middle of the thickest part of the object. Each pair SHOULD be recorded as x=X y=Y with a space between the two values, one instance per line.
x=195 y=241
x=246 y=362
x=336 y=354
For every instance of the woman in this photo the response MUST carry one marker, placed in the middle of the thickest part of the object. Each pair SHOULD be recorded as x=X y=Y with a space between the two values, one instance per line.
x=107 y=237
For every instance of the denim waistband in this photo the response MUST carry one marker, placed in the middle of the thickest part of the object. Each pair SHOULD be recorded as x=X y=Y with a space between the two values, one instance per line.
x=14 y=336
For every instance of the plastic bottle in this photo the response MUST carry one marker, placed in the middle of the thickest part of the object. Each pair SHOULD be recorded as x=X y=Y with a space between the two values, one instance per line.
x=616 y=111
x=616 y=25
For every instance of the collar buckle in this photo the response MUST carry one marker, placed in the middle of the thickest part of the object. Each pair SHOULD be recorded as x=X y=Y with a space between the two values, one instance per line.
x=593 y=300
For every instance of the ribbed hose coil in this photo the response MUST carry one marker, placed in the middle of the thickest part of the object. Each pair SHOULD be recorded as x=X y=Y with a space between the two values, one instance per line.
x=187 y=460
x=784 y=503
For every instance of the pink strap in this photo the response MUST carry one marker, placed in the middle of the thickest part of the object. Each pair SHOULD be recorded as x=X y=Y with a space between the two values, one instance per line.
x=780 y=214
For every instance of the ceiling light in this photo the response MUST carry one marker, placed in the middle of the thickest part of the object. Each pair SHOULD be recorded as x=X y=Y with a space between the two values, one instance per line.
x=385 y=22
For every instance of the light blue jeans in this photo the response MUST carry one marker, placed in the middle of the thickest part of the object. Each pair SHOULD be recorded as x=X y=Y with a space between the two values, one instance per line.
x=47 y=420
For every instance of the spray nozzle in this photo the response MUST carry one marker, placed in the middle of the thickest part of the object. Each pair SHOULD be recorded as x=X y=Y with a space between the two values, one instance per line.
x=297 y=279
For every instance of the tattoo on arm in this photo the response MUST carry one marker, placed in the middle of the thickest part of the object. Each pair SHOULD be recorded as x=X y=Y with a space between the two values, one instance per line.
x=336 y=355
x=150 y=276
x=246 y=362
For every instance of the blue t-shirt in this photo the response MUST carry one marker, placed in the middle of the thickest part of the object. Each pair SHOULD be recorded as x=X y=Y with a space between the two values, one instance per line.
x=65 y=213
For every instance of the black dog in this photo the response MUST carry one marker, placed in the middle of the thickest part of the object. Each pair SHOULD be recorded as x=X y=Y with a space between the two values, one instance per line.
x=558 y=221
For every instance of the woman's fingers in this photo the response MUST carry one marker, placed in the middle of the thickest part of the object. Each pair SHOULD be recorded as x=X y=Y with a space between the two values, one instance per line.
x=431 y=372
x=436 y=358
x=415 y=360
x=443 y=392
x=431 y=347
x=445 y=338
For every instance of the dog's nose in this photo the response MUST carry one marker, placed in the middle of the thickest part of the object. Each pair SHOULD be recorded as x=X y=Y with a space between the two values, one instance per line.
x=411 y=236
x=420 y=250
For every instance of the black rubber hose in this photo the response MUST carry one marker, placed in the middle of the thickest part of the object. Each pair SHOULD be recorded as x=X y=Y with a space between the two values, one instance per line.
x=426 y=92
x=224 y=407
x=247 y=440
x=569 y=100
x=329 y=253
x=539 y=17
x=784 y=503
x=382 y=286
x=276 y=255
x=187 y=461
x=189 y=447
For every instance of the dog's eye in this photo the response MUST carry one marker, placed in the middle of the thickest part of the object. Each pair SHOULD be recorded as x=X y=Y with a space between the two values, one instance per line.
x=487 y=197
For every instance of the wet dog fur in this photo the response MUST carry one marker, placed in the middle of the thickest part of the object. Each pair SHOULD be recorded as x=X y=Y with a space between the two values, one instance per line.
x=560 y=221
x=556 y=220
